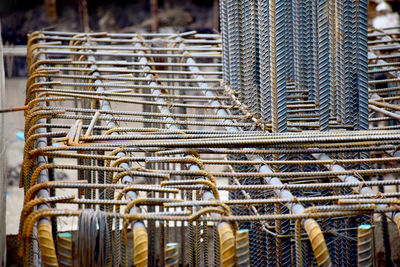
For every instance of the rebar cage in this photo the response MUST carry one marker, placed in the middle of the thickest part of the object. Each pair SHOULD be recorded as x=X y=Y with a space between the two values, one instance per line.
x=266 y=146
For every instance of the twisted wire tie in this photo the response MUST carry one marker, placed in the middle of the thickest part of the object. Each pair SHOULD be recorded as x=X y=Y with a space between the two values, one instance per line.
x=358 y=175
x=253 y=153
x=258 y=122
x=312 y=209
x=284 y=187
x=380 y=195
x=248 y=115
x=264 y=127
x=82 y=57
x=361 y=185
x=186 y=55
x=232 y=93
x=193 y=152
x=395 y=149
x=334 y=162
x=145 y=71
x=182 y=133
x=140 y=169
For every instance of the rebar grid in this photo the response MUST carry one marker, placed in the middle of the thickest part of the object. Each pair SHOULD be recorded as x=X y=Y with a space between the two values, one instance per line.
x=199 y=158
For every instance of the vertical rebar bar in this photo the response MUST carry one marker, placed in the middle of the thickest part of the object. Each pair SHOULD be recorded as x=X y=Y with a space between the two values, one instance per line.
x=264 y=48
x=362 y=71
x=225 y=40
x=234 y=44
x=242 y=248
x=365 y=245
x=279 y=123
x=171 y=255
x=324 y=63
x=298 y=244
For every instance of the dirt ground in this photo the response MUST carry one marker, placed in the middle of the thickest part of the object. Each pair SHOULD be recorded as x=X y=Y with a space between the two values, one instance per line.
x=15 y=95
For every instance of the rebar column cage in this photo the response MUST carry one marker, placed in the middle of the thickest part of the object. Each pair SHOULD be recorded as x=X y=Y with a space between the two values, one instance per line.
x=193 y=149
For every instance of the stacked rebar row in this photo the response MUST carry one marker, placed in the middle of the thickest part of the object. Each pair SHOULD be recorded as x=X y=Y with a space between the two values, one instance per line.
x=277 y=49
x=166 y=166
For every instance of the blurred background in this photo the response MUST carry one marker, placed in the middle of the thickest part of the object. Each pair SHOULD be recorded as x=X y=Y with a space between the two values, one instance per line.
x=20 y=17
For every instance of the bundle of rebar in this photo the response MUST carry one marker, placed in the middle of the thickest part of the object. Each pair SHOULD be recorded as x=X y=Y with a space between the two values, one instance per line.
x=273 y=144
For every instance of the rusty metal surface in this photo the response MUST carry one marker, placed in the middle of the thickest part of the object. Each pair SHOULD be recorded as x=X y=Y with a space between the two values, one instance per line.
x=164 y=146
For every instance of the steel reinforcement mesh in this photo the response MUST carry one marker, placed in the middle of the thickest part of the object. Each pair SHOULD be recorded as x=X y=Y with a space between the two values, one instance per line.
x=195 y=149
